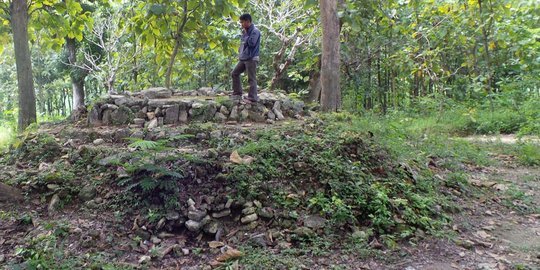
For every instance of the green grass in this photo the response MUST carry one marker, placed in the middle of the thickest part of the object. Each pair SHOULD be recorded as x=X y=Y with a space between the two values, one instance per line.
x=527 y=153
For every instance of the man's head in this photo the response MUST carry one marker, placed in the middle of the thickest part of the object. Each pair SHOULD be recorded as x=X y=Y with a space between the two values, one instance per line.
x=245 y=21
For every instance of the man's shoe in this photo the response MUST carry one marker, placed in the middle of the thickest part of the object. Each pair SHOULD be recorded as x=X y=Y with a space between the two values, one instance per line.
x=248 y=100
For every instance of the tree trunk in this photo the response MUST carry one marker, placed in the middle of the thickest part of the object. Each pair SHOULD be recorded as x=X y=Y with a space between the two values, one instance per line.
x=171 y=64
x=330 y=91
x=25 y=80
x=314 y=86
x=487 y=57
x=77 y=79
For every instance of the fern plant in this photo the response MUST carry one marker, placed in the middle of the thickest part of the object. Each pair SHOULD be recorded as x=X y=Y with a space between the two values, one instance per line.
x=147 y=178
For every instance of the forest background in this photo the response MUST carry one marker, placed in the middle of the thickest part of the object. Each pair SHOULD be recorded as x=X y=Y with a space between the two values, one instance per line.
x=464 y=66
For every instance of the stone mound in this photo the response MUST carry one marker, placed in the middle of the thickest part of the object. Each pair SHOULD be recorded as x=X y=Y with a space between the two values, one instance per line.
x=160 y=106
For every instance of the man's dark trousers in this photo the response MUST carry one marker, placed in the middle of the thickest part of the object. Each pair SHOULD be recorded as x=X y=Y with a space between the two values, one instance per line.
x=250 y=66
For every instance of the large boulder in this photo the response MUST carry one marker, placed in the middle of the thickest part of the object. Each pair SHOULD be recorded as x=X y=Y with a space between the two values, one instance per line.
x=203 y=111
x=94 y=117
x=122 y=116
x=157 y=92
x=172 y=114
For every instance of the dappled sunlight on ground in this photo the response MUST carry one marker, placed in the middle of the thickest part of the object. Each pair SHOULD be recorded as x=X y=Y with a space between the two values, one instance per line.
x=503 y=138
x=6 y=134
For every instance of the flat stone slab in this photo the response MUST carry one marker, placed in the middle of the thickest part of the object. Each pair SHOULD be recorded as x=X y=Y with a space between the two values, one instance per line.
x=156 y=107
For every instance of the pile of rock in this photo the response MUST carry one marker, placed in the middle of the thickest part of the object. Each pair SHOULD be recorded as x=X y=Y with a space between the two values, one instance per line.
x=160 y=106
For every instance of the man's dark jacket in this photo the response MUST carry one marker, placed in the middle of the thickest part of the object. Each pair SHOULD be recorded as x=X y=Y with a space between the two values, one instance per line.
x=250 y=42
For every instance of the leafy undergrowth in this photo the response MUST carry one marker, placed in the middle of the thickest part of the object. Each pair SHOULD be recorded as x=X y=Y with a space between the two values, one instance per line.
x=373 y=181
x=356 y=172
x=344 y=175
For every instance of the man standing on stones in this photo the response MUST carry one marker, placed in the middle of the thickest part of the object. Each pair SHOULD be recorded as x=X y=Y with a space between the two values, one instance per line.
x=248 y=55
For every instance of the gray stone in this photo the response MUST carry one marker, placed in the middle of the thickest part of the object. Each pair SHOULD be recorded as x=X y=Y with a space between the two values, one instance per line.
x=128 y=101
x=257 y=204
x=98 y=141
x=271 y=115
x=257 y=116
x=157 y=92
x=229 y=203
x=206 y=91
x=93 y=116
x=111 y=107
x=258 y=240
x=224 y=213
x=155 y=240
x=234 y=113
x=266 y=212
x=224 y=110
x=190 y=202
x=219 y=117
x=158 y=112
x=193 y=226
x=201 y=136
x=277 y=106
x=279 y=114
x=183 y=116
x=53 y=187
x=160 y=121
x=212 y=227
x=244 y=114
x=153 y=123
x=158 y=103
x=314 y=222
x=206 y=220
x=286 y=105
x=172 y=215
x=54 y=204
x=139 y=122
x=139 y=134
x=198 y=110
x=249 y=219
x=172 y=114
x=216 y=134
x=197 y=215
x=248 y=211
x=120 y=134
x=122 y=116
x=87 y=193
x=298 y=106
x=304 y=232
x=107 y=117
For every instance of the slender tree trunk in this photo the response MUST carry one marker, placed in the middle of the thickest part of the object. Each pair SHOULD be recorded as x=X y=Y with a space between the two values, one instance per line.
x=77 y=78
x=171 y=64
x=25 y=79
x=330 y=91
x=487 y=57
x=314 y=86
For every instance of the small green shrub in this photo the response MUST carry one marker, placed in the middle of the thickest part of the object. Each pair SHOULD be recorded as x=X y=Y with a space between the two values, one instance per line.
x=529 y=154
x=531 y=112
x=37 y=148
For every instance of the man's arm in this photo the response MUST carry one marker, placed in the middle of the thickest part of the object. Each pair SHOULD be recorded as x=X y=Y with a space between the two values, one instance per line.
x=252 y=40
